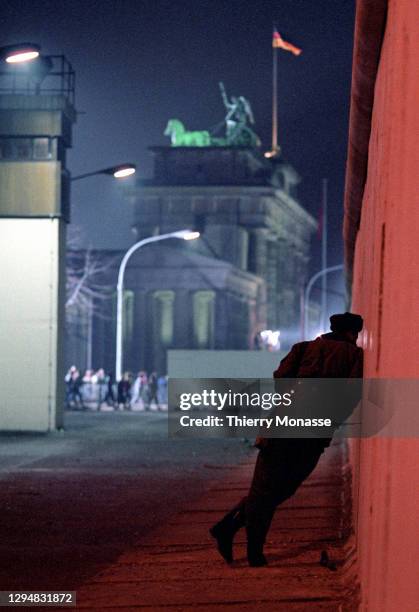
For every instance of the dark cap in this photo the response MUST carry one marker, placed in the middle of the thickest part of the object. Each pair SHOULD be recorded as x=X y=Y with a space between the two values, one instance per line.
x=346 y=322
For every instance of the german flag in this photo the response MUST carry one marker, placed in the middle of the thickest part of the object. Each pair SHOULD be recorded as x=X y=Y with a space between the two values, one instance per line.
x=279 y=43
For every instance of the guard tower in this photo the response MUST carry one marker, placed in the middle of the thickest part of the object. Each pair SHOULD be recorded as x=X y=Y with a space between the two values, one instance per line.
x=36 y=118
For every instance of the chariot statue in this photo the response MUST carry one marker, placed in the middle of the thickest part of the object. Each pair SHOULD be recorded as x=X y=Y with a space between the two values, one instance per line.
x=181 y=138
x=239 y=114
x=237 y=122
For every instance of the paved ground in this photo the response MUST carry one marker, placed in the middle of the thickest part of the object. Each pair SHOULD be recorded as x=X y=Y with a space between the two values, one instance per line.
x=119 y=513
x=177 y=567
x=72 y=502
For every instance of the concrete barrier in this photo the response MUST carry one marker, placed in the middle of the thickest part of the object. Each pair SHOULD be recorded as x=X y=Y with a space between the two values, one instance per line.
x=222 y=364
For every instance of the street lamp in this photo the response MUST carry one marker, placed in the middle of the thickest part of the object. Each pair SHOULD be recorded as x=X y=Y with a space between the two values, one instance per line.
x=308 y=288
x=183 y=235
x=23 y=53
x=120 y=171
x=18 y=54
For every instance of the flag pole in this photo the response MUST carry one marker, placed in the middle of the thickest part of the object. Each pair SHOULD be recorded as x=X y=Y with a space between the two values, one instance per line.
x=277 y=42
x=274 y=100
x=324 y=254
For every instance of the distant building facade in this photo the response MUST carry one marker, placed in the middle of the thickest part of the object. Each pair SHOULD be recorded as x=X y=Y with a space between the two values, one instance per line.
x=247 y=210
x=244 y=274
x=174 y=297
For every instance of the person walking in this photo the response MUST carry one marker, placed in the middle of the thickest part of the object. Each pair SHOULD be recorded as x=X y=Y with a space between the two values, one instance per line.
x=162 y=391
x=153 y=390
x=88 y=387
x=99 y=379
x=68 y=387
x=140 y=394
x=110 y=395
x=74 y=389
x=284 y=463
x=124 y=391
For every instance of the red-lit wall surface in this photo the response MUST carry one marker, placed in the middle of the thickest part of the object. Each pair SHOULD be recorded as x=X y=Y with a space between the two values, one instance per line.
x=385 y=290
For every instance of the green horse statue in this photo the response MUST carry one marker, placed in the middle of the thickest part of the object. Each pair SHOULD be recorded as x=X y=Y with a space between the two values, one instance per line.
x=181 y=138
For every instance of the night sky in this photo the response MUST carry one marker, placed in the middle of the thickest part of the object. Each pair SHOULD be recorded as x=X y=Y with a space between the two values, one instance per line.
x=139 y=63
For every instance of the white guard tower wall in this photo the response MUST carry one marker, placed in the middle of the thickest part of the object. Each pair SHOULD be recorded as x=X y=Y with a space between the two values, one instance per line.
x=35 y=130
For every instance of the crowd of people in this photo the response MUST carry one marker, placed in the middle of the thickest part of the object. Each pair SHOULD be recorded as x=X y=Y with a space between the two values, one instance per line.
x=99 y=389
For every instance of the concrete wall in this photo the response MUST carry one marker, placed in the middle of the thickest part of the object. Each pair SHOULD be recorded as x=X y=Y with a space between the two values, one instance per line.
x=31 y=319
x=222 y=364
x=386 y=293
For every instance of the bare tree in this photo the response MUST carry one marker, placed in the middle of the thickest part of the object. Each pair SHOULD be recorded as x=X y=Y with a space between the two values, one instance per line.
x=86 y=289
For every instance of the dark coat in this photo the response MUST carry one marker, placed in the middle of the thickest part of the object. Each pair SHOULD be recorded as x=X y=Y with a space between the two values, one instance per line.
x=329 y=356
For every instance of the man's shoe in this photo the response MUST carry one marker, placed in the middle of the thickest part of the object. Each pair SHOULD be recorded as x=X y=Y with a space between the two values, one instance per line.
x=224 y=539
x=255 y=543
x=225 y=530
x=257 y=560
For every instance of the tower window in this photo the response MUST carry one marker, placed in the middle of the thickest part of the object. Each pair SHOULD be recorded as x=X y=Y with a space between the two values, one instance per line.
x=41 y=148
x=28 y=149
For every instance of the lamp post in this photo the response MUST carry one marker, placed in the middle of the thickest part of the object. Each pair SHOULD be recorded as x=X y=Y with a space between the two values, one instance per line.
x=307 y=291
x=120 y=171
x=183 y=235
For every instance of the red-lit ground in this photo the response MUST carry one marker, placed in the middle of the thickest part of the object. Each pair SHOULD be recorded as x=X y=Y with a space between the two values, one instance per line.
x=121 y=515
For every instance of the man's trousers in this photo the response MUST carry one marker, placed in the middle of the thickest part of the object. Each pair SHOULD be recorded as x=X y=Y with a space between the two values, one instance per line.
x=280 y=469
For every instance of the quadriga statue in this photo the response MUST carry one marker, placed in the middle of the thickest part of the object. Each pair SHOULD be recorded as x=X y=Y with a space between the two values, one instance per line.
x=181 y=138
